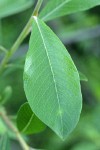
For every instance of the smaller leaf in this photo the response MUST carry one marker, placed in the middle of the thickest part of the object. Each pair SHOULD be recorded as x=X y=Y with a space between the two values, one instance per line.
x=82 y=77
x=58 y=8
x=4 y=142
x=27 y=121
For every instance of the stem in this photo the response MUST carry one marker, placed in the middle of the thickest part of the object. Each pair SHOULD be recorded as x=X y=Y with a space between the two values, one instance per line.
x=37 y=8
x=21 y=37
x=14 y=129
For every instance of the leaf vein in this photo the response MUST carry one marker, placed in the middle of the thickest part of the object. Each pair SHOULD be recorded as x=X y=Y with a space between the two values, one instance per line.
x=50 y=68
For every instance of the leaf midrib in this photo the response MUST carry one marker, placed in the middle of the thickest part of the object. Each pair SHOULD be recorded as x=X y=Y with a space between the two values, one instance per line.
x=36 y=20
x=55 y=9
x=28 y=123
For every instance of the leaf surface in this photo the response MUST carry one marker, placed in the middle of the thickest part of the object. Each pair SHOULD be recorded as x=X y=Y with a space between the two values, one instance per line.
x=9 y=7
x=51 y=81
x=27 y=122
x=59 y=8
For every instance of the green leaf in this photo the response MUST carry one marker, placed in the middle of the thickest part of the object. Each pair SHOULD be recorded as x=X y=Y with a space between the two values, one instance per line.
x=51 y=81
x=9 y=7
x=4 y=142
x=27 y=122
x=82 y=76
x=58 y=8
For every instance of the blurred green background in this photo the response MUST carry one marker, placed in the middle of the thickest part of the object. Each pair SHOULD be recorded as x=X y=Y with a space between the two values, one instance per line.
x=80 y=32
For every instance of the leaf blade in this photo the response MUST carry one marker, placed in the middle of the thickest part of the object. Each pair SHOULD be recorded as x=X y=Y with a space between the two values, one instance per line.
x=69 y=7
x=46 y=86
x=27 y=122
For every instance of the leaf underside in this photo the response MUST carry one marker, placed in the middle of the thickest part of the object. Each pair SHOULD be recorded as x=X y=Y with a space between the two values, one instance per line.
x=51 y=81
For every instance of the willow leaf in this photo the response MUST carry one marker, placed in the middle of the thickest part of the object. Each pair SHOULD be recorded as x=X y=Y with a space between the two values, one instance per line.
x=51 y=81
x=27 y=122
x=58 y=8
